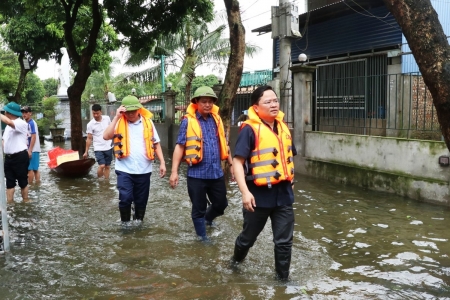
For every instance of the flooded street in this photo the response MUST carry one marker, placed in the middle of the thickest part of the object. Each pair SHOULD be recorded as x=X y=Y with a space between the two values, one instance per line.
x=349 y=243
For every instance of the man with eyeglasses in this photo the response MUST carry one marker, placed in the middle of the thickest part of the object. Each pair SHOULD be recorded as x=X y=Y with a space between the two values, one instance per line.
x=264 y=170
x=136 y=143
x=202 y=144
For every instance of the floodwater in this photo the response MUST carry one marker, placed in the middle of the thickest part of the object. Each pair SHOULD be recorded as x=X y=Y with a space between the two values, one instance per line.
x=350 y=243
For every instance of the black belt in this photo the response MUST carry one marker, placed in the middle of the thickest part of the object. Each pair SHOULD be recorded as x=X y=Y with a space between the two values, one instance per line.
x=15 y=154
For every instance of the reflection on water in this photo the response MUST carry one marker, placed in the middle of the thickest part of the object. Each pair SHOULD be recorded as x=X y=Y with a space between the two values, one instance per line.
x=349 y=244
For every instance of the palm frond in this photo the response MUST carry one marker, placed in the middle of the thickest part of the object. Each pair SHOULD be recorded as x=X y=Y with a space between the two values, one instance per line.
x=147 y=75
x=137 y=59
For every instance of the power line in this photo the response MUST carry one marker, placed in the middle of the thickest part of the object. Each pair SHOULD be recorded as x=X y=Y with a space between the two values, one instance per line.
x=255 y=16
x=370 y=14
x=249 y=6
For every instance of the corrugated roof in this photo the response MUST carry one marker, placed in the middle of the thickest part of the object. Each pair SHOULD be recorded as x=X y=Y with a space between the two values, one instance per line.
x=329 y=11
x=149 y=98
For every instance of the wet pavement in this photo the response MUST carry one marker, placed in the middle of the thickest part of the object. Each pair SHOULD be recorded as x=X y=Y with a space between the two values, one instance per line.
x=349 y=243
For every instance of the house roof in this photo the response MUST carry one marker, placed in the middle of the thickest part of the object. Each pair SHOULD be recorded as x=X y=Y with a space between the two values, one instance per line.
x=327 y=12
x=149 y=98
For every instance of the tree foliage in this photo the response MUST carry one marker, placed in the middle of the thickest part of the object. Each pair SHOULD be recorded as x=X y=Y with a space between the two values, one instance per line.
x=144 y=23
x=208 y=80
x=192 y=46
x=50 y=86
x=178 y=84
x=140 y=23
x=31 y=34
x=48 y=107
x=34 y=90
x=9 y=70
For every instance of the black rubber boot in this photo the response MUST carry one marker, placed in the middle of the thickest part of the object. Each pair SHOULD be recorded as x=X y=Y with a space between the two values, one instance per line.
x=125 y=213
x=200 y=228
x=282 y=264
x=139 y=213
x=239 y=254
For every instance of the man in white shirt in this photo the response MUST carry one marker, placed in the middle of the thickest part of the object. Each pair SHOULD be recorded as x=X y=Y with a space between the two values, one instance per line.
x=136 y=144
x=102 y=147
x=15 y=148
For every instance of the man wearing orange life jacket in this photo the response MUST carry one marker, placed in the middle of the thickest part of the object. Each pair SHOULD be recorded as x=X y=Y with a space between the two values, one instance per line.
x=201 y=143
x=136 y=143
x=264 y=170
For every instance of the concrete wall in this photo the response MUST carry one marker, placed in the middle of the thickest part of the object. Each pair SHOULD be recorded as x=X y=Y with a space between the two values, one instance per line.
x=401 y=166
x=392 y=164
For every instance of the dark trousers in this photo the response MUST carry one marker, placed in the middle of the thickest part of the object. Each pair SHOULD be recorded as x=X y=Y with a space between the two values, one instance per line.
x=216 y=190
x=16 y=168
x=133 y=188
x=282 y=218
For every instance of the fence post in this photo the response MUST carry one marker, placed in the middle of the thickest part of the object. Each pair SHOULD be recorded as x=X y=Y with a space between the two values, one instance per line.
x=302 y=85
x=395 y=105
x=169 y=102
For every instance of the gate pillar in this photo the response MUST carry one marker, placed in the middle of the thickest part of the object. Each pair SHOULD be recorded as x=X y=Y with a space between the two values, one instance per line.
x=302 y=103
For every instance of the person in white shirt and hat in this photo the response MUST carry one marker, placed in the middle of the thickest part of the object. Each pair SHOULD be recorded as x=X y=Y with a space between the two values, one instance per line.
x=15 y=148
x=136 y=145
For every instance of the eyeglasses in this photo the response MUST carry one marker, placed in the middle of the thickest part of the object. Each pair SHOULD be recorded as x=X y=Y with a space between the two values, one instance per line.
x=268 y=102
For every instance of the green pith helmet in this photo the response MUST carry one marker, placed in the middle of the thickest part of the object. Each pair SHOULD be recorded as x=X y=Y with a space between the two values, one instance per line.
x=131 y=103
x=204 y=91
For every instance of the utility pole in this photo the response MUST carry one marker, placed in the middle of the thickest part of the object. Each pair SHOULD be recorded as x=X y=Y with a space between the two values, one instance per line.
x=285 y=51
x=285 y=28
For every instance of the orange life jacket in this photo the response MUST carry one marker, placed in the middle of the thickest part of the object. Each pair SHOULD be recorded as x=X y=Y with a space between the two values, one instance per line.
x=121 y=137
x=272 y=159
x=193 y=151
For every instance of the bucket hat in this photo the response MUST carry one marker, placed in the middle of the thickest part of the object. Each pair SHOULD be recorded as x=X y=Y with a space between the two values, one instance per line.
x=204 y=91
x=13 y=108
x=131 y=103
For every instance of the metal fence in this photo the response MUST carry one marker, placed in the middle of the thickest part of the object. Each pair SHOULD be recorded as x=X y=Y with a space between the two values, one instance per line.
x=156 y=104
x=384 y=105
x=241 y=104
x=181 y=103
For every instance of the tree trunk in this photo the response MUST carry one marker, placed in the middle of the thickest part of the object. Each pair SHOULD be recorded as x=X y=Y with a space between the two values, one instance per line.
x=83 y=62
x=429 y=45
x=74 y=92
x=187 y=92
x=235 y=63
x=22 y=76
x=20 y=85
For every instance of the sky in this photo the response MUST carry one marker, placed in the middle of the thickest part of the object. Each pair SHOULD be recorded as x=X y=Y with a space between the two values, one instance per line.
x=254 y=14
